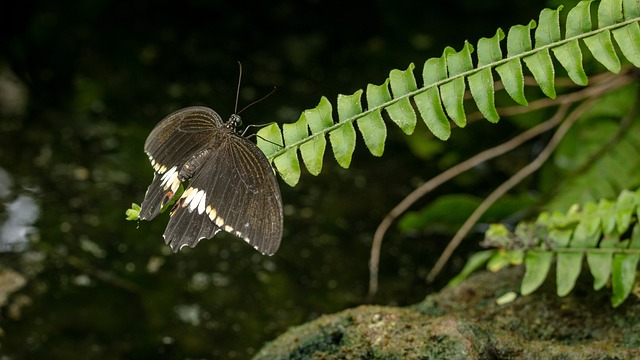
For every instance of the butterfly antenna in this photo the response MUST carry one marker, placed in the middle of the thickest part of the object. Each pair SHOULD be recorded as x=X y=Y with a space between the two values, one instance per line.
x=257 y=101
x=235 y=110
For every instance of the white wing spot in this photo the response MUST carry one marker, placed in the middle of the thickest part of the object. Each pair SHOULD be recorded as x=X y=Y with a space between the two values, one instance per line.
x=195 y=199
x=188 y=197
x=202 y=203
x=219 y=221
x=170 y=178
x=228 y=229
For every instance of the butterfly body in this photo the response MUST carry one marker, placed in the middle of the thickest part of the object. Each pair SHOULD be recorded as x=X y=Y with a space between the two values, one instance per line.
x=229 y=183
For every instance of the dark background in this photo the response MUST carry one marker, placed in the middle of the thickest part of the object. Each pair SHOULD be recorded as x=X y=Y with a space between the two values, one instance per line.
x=88 y=80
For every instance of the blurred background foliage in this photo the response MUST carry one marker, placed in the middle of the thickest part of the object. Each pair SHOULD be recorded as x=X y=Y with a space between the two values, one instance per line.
x=82 y=83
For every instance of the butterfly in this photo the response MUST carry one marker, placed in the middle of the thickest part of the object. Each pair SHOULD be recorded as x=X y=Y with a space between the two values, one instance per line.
x=229 y=183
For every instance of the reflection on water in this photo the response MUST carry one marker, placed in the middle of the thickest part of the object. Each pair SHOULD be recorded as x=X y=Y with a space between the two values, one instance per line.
x=19 y=216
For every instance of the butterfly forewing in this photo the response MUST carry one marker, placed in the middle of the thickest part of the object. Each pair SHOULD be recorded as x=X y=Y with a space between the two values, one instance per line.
x=169 y=146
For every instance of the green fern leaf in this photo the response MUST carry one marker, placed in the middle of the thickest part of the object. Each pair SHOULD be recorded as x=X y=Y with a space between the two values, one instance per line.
x=288 y=163
x=481 y=83
x=401 y=112
x=570 y=57
x=624 y=269
x=452 y=92
x=373 y=131
x=372 y=125
x=602 y=49
x=628 y=39
x=378 y=95
x=609 y=12
x=537 y=266
x=269 y=139
x=540 y=63
x=600 y=264
x=343 y=139
x=428 y=102
x=318 y=118
x=568 y=270
x=631 y=9
x=518 y=42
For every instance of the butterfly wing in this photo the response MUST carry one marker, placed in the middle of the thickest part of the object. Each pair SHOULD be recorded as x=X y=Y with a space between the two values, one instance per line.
x=236 y=191
x=169 y=146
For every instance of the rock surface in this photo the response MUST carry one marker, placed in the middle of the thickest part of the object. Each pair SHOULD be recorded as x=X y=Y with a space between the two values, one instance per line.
x=465 y=322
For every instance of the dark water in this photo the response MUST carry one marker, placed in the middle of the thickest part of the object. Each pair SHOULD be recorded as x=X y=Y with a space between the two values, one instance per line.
x=82 y=83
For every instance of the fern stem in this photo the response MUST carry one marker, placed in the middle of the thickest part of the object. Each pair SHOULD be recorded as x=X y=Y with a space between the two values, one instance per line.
x=586 y=250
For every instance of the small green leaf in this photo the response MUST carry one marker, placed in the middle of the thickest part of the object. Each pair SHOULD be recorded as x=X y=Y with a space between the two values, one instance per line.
x=428 y=102
x=608 y=219
x=628 y=39
x=133 y=213
x=269 y=139
x=452 y=92
x=312 y=154
x=343 y=139
x=401 y=112
x=631 y=9
x=560 y=237
x=519 y=39
x=537 y=267
x=475 y=262
x=609 y=13
x=432 y=113
x=548 y=30
x=513 y=80
x=625 y=208
x=434 y=71
x=541 y=67
x=374 y=132
x=600 y=263
x=318 y=119
x=489 y=50
x=623 y=277
x=349 y=105
x=288 y=166
x=378 y=94
x=624 y=269
x=567 y=271
x=570 y=57
x=482 y=90
x=589 y=225
x=498 y=262
x=579 y=19
x=602 y=49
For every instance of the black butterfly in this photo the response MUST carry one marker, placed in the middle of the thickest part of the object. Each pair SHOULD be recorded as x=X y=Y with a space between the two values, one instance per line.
x=232 y=186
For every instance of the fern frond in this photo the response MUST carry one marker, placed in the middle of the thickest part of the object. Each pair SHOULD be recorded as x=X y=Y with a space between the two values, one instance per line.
x=606 y=233
x=605 y=154
x=439 y=99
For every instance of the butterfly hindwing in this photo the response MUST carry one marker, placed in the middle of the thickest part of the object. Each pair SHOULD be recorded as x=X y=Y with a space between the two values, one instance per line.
x=235 y=190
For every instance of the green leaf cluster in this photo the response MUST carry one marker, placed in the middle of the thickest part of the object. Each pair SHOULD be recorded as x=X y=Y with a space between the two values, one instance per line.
x=439 y=99
x=606 y=234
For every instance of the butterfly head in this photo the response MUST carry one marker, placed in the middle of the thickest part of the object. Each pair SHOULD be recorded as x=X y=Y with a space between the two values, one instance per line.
x=234 y=122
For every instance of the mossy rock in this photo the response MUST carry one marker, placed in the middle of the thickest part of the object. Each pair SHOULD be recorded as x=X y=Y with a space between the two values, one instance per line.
x=465 y=322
